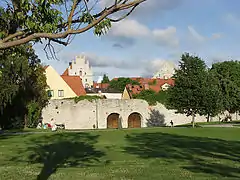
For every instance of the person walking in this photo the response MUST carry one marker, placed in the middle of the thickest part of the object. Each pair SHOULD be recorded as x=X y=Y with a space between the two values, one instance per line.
x=171 y=123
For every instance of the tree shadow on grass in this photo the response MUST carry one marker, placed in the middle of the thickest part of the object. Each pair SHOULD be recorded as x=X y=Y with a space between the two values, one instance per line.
x=197 y=154
x=62 y=151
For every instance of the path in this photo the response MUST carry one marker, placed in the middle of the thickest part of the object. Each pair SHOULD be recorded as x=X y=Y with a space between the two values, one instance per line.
x=222 y=125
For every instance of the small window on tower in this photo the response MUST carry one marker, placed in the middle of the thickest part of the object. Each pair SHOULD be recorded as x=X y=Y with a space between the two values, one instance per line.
x=80 y=73
x=85 y=80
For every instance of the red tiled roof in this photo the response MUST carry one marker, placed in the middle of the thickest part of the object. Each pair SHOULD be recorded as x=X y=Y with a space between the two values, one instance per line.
x=75 y=83
x=100 y=85
x=145 y=84
x=65 y=73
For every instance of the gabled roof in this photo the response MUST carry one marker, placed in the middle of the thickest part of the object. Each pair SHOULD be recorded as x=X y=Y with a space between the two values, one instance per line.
x=75 y=83
x=65 y=73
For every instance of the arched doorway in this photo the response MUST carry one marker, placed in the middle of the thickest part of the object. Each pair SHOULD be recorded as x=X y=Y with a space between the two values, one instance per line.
x=113 y=120
x=134 y=120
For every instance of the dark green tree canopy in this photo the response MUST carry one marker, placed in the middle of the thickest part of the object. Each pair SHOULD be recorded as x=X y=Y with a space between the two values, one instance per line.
x=121 y=83
x=228 y=75
x=213 y=97
x=22 y=87
x=22 y=21
x=187 y=94
x=105 y=79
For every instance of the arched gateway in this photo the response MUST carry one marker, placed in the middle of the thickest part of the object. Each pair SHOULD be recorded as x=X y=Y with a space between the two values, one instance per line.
x=134 y=120
x=113 y=120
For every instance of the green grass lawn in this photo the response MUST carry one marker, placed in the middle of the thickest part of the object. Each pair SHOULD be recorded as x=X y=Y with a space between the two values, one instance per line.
x=151 y=154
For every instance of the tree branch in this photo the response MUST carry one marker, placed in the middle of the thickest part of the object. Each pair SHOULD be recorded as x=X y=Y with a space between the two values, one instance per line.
x=11 y=36
x=71 y=13
x=62 y=35
x=123 y=17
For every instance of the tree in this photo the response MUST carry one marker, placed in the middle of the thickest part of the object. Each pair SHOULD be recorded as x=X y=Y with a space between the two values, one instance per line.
x=22 y=21
x=186 y=96
x=156 y=119
x=152 y=97
x=22 y=87
x=213 y=98
x=105 y=79
x=121 y=83
x=228 y=74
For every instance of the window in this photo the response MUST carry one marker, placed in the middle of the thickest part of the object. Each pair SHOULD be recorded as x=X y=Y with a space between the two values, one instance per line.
x=85 y=80
x=60 y=93
x=80 y=73
x=85 y=73
x=50 y=93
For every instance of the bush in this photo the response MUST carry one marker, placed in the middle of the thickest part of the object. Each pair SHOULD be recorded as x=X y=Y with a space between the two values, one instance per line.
x=89 y=98
x=152 y=97
x=33 y=115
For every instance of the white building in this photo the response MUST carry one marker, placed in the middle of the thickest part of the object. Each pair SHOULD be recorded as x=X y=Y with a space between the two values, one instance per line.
x=166 y=70
x=80 y=67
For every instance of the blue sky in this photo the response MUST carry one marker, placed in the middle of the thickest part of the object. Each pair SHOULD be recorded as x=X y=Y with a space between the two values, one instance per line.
x=159 y=30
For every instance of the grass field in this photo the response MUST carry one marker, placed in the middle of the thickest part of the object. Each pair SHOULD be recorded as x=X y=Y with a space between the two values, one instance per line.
x=158 y=154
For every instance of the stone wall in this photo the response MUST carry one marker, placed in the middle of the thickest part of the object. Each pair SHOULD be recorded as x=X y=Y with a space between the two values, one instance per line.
x=86 y=114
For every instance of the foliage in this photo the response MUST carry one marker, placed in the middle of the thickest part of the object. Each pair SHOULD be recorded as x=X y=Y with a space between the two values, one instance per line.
x=187 y=95
x=121 y=83
x=22 y=21
x=105 y=79
x=152 y=97
x=156 y=119
x=34 y=112
x=23 y=82
x=228 y=75
x=89 y=98
x=213 y=98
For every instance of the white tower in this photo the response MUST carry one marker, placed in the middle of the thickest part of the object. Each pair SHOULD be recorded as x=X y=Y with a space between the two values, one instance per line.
x=80 y=67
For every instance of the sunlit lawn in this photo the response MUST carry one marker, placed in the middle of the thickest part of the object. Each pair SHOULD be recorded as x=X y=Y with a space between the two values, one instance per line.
x=162 y=153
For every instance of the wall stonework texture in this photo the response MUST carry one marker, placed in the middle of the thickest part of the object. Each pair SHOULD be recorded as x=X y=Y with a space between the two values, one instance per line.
x=86 y=114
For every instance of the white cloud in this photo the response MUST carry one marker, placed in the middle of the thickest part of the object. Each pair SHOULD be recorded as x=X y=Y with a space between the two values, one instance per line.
x=166 y=36
x=217 y=35
x=198 y=38
x=130 y=30
x=232 y=19
x=195 y=35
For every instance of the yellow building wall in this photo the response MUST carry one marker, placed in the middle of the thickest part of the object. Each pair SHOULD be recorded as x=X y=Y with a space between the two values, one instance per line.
x=125 y=94
x=55 y=83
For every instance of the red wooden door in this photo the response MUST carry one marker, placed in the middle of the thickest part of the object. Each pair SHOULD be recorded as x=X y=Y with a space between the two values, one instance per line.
x=134 y=120
x=112 y=120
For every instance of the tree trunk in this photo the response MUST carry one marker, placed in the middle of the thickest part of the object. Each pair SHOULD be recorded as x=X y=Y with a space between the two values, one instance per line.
x=208 y=118
x=25 y=121
x=193 y=120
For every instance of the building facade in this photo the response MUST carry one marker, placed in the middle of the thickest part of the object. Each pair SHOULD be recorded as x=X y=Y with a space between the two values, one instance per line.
x=80 y=67
x=166 y=70
x=57 y=87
